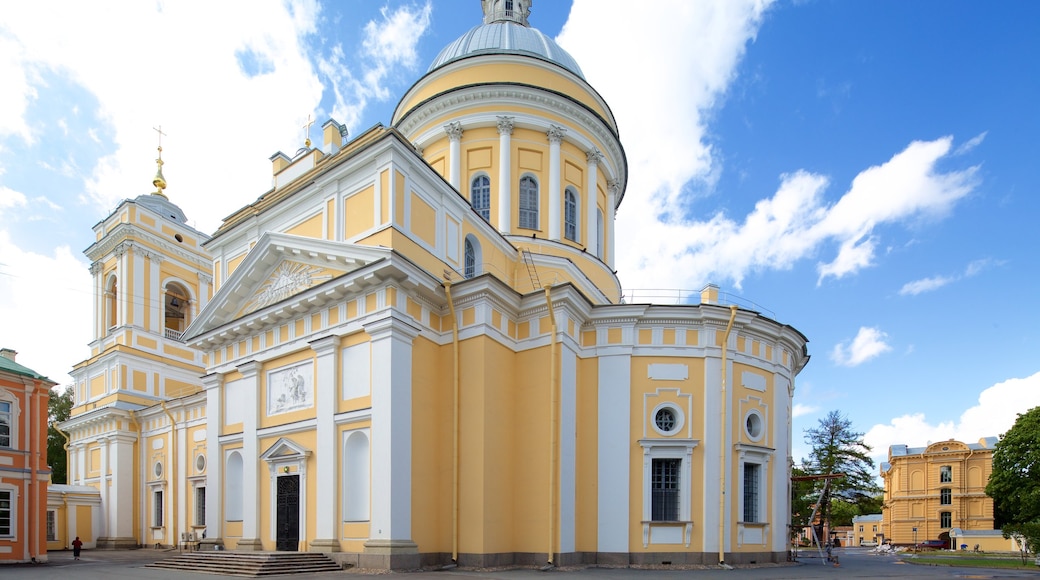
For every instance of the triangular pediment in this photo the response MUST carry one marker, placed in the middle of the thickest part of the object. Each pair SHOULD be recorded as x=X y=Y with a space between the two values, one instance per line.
x=278 y=268
x=285 y=449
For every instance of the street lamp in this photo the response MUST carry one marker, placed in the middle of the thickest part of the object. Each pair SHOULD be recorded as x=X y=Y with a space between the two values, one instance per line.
x=915 y=538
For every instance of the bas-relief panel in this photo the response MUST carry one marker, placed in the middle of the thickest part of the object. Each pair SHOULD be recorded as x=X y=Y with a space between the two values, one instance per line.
x=289 y=278
x=290 y=389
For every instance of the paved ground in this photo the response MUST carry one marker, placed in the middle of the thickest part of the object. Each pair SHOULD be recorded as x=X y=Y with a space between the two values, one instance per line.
x=855 y=563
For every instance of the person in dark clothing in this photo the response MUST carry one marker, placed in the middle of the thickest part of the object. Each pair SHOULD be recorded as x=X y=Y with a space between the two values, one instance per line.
x=77 y=545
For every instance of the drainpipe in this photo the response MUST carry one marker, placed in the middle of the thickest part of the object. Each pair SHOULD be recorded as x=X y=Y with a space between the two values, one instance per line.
x=173 y=472
x=454 y=426
x=552 y=423
x=68 y=455
x=722 y=442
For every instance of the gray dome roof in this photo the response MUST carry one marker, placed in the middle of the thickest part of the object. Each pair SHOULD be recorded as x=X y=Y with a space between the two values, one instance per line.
x=162 y=206
x=506 y=38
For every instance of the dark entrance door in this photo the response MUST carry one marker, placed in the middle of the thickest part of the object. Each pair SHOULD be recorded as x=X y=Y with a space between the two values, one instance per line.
x=288 y=516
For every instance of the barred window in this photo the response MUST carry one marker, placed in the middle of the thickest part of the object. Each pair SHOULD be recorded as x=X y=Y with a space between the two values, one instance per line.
x=665 y=490
x=480 y=196
x=751 y=481
x=157 y=513
x=52 y=526
x=528 y=203
x=6 y=513
x=200 y=506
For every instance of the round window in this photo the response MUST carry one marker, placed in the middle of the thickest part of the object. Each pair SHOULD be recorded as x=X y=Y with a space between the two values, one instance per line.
x=667 y=419
x=200 y=463
x=753 y=423
x=157 y=470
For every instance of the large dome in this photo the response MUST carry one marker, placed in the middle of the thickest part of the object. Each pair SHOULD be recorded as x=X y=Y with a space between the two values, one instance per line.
x=506 y=38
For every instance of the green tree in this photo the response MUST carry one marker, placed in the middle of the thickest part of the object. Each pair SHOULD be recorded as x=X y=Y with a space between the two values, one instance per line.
x=59 y=408
x=1014 y=483
x=837 y=448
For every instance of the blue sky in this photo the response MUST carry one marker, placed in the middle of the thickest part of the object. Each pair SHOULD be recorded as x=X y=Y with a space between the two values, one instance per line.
x=864 y=171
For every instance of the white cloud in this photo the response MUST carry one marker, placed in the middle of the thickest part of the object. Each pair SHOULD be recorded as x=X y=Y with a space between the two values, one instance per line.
x=996 y=411
x=971 y=144
x=924 y=285
x=868 y=344
x=18 y=92
x=670 y=155
x=45 y=306
x=801 y=409
x=10 y=198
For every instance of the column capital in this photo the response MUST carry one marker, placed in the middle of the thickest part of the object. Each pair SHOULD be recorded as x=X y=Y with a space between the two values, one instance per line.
x=594 y=156
x=418 y=149
x=250 y=369
x=391 y=326
x=555 y=134
x=505 y=125
x=96 y=268
x=122 y=248
x=212 y=381
x=454 y=131
x=615 y=186
x=205 y=279
x=325 y=345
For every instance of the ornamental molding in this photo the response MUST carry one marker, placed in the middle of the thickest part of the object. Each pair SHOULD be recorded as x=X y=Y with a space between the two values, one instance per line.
x=556 y=134
x=126 y=232
x=594 y=156
x=454 y=130
x=505 y=125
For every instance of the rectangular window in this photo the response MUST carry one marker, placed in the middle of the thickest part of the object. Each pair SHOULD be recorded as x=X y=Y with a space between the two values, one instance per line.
x=664 y=485
x=875 y=528
x=945 y=520
x=861 y=527
x=5 y=424
x=945 y=496
x=200 y=506
x=6 y=514
x=52 y=526
x=946 y=474
x=157 y=515
x=751 y=481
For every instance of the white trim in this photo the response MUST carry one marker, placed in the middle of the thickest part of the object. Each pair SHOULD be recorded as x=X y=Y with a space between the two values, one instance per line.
x=681 y=449
x=13 y=490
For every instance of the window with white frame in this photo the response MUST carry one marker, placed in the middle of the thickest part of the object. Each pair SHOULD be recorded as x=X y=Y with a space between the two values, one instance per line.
x=52 y=526
x=666 y=479
x=528 y=203
x=7 y=514
x=157 y=508
x=946 y=474
x=480 y=196
x=752 y=491
x=945 y=496
x=471 y=261
x=664 y=490
x=570 y=215
x=6 y=424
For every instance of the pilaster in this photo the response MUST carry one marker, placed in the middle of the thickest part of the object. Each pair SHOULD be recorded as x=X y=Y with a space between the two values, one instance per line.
x=454 y=131
x=250 y=484
x=594 y=158
x=213 y=385
x=555 y=135
x=326 y=391
x=505 y=178
x=614 y=188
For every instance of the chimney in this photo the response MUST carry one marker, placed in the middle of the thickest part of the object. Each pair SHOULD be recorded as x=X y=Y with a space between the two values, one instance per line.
x=334 y=134
x=710 y=294
x=9 y=354
x=280 y=161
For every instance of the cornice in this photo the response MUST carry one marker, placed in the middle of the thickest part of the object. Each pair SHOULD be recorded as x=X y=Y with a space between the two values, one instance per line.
x=125 y=234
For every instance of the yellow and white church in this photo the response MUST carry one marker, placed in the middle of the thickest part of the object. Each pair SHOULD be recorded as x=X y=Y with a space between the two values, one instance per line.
x=414 y=350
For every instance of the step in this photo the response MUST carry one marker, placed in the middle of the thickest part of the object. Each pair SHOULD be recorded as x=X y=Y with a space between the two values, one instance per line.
x=249 y=564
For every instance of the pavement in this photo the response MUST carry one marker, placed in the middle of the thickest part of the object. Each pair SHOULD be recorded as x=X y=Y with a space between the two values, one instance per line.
x=854 y=563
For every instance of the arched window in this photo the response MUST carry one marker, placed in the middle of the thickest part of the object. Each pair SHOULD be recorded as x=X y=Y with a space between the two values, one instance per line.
x=599 y=234
x=480 y=196
x=176 y=308
x=472 y=259
x=528 y=203
x=111 y=314
x=7 y=425
x=570 y=215
x=233 y=488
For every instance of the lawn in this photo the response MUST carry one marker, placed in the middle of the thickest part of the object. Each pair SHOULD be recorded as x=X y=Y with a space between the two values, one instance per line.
x=972 y=560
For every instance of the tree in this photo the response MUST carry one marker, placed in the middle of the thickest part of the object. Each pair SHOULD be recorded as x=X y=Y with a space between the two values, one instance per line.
x=59 y=408
x=1014 y=483
x=837 y=448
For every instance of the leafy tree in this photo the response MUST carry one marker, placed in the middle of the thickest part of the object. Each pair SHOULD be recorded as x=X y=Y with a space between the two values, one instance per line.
x=837 y=448
x=1014 y=483
x=59 y=408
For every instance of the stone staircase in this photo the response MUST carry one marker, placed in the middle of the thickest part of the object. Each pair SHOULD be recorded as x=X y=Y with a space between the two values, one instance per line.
x=249 y=564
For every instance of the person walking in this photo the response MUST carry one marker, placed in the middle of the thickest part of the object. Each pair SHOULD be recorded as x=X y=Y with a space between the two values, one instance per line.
x=77 y=545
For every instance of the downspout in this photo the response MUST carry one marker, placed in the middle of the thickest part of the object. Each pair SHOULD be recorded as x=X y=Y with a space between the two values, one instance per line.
x=68 y=455
x=173 y=472
x=722 y=442
x=454 y=426
x=552 y=423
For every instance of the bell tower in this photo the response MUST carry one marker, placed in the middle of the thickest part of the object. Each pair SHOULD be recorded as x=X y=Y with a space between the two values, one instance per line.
x=516 y=11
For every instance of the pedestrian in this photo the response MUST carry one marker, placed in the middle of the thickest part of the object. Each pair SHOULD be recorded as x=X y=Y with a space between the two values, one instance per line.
x=77 y=545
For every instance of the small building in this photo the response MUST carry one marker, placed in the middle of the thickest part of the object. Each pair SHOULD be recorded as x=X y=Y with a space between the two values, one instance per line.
x=23 y=461
x=931 y=491
x=73 y=511
x=867 y=530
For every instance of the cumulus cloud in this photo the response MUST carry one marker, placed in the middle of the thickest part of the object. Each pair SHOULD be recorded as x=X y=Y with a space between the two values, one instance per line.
x=10 y=198
x=935 y=282
x=997 y=408
x=801 y=409
x=670 y=156
x=45 y=305
x=868 y=344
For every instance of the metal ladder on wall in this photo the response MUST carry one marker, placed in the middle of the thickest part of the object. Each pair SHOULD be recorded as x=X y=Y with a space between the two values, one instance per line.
x=531 y=270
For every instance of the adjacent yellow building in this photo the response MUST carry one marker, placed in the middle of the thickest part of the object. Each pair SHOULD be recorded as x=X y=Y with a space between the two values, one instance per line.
x=939 y=491
x=414 y=350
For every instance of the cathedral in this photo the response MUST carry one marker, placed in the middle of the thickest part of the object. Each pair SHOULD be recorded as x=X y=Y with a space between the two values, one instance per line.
x=414 y=350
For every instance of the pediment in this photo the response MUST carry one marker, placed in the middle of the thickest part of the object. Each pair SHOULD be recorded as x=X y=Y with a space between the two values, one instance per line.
x=277 y=268
x=285 y=449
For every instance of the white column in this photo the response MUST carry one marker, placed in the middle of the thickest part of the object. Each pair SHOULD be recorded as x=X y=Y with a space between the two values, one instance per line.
x=555 y=135
x=123 y=283
x=326 y=389
x=454 y=131
x=213 y=384
x=391 y=518
x=594 y=158
x=250 y=483
x=505 y=177
x=615 y=372
x=99 y=299
x=614 y=188
x=120 y=497
x=156 y=322
x=106 y=506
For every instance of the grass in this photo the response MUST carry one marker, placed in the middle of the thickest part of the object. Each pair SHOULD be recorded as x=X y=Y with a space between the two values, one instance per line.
x=973 y=560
